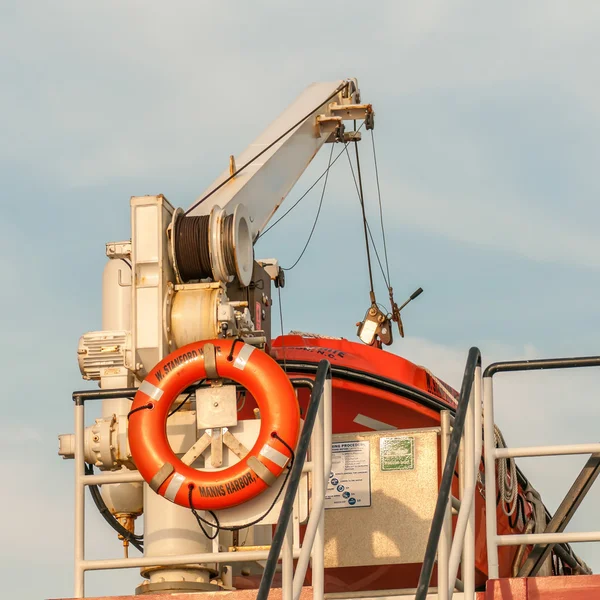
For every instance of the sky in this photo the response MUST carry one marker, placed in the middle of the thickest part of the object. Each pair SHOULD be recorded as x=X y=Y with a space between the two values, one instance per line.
x=487 y=122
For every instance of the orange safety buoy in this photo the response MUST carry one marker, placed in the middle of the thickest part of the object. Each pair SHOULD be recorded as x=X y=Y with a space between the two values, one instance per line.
x=166 y=474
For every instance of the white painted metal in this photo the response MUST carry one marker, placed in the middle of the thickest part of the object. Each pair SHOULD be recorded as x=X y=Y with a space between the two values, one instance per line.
x=116 y=316
x=473 y=454
x=321 y=470
x=124 y=498
x=446 y=536
x=173 y=561
x=101 y=356
x=79 y=501
x=319 y=485
x=490 y=478
x=243 y=253
x=547 y=450
x=492 y=455
x=116 y=295
x=216 y=406
x=460 y=550
x=175 y=520
x=152 y=271
x=263 y=185
x=194 y=313
x=531 y=539
x=287 y=563
x=449 y=550
x=111 y=477
x=172 y=530
x=464 y=535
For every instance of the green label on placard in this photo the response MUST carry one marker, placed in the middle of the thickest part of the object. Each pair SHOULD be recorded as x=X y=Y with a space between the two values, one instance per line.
x=397 y=453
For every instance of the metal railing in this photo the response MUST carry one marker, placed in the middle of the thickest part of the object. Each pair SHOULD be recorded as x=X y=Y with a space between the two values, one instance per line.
x=467 y=427
x=315 y=532
x=553 y=533
x=320 y=412
x=463 y=434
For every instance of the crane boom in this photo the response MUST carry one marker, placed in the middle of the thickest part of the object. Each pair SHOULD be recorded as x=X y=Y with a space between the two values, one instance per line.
x=262 y=185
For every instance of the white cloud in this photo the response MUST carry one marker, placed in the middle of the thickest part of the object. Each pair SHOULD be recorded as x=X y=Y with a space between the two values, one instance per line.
x=500 y=221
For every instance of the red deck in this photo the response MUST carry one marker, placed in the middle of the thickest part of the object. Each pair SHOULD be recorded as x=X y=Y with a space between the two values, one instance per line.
x=575 y=587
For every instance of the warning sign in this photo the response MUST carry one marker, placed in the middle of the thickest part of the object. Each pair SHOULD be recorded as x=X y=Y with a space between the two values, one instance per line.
x=397 y=453
x=350 y=478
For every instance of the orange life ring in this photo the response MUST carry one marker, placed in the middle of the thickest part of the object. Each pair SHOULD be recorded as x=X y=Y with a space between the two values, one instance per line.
x=166 y=474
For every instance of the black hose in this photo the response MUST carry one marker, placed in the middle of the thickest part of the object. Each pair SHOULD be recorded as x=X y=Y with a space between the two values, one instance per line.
x=135 y=540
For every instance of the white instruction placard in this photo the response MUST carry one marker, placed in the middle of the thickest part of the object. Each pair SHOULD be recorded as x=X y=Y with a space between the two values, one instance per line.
x=349 y=483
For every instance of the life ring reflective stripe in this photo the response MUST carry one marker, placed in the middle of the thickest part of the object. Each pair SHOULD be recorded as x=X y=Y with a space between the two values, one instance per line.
x=214 y=490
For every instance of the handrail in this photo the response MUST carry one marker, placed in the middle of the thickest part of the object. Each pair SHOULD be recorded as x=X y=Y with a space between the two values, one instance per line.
x=323 y=373
x=473 y=361
x=542 y=364
x=491 y=453
x=83 y=480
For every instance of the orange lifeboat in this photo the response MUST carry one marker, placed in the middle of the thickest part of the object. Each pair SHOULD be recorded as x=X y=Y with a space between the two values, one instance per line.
x=377 y=390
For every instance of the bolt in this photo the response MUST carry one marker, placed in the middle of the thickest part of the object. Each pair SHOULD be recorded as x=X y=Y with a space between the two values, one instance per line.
x=216 y=404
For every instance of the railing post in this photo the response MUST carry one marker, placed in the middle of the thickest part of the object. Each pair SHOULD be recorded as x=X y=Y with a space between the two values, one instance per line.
x=443 y=581
x=490 y=478
x=287 y=563
x=471 y=463
x=79 y=498
x=314 y=414
x=464 y=535
x=439 y=515
x=318 y=491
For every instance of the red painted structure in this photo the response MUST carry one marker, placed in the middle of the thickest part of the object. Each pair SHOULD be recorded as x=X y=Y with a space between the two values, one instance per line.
x=580 y=587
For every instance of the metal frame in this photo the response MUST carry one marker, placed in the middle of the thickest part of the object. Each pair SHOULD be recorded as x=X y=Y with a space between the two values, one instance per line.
x=313 y=543
x=467 y=424
x=493 y=454
x=319 y=414
x=459 y=550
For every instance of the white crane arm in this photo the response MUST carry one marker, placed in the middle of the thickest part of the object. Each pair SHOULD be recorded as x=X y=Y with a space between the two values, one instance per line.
x=263 y=185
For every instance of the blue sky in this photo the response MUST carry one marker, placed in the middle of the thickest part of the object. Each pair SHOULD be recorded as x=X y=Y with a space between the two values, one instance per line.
x=487 y=125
